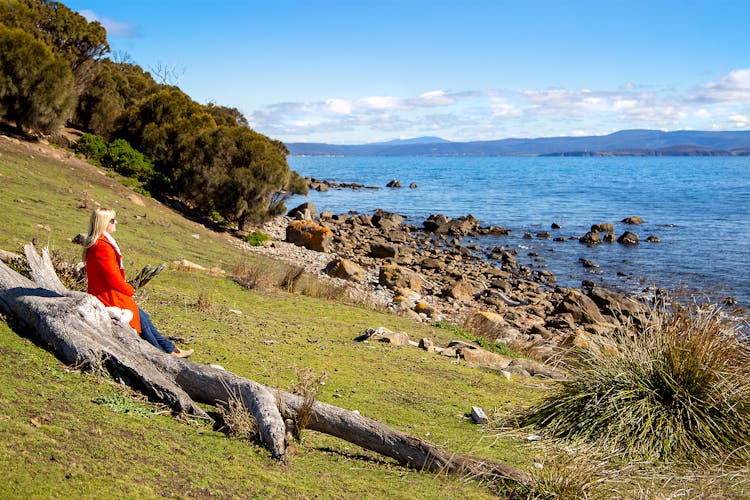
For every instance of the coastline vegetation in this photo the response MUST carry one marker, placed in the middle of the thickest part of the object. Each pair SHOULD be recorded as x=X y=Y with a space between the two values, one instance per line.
x=53 y=72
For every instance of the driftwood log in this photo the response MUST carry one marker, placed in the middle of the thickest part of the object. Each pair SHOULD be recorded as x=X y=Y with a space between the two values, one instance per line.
x=78 y=329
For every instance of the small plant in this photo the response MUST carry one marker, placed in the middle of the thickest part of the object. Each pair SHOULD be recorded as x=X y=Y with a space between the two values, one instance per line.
x=204 y=303
x=71 y=272
x=256 y=238
x=237 y=421
x=248 y=275
x=291 y=278
x=676 y=390
x=121 y=404
x=307 y=386
x=560 y=475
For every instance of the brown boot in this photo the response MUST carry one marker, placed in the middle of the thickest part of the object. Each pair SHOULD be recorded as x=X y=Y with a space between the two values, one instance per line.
x=182 y=354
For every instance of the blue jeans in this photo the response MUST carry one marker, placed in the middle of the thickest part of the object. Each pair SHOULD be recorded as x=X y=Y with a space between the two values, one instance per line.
x=152 y=335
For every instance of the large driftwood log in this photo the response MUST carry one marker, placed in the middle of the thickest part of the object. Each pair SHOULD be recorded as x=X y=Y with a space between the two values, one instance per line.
x=76 y=326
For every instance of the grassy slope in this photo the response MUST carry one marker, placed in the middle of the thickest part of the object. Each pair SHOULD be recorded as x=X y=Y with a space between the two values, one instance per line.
x=57 y=441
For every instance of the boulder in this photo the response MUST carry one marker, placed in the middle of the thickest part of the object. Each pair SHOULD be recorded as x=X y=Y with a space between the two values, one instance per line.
x=393 y=184
x=441 y=224
x=484 y=358
x=633 y=219
x=394 y=277
x=345 y=269
x=383 y=250
x=618 y=306
x=427 y=344
x=591 y=238
x=460 y=290
x=387 y=220
x=306 y=211
x=309 y=235
x=413 y=185
x=580 y=308
x=628 y=238
x=383 y=334
x=653 y=239
x=588 y=263
x=491 y=326
x=607 y=227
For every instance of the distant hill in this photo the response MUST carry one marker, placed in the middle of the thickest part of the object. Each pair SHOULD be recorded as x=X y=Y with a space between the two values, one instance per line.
x=622 y=143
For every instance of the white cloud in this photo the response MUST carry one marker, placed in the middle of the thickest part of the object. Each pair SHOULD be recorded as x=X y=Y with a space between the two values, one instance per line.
x=339 y=106
x=432 y=98
x=495 y=113
x=740 y=121
x=732 y=88
x=624 y=103
x=382 y=103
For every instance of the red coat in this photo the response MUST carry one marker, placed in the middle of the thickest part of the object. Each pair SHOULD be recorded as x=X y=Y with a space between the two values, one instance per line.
x=107 y=279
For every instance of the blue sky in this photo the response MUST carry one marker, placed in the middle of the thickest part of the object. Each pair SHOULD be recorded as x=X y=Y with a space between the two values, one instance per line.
x=357 y=71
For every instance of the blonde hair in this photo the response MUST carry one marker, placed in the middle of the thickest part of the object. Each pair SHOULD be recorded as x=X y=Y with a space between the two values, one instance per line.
x=98 y=222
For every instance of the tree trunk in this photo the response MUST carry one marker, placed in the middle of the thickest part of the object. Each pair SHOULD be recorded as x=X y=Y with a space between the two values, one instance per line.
x=78 y=329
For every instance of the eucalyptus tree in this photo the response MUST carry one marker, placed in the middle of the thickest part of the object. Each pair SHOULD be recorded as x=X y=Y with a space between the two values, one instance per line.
x=36 y=87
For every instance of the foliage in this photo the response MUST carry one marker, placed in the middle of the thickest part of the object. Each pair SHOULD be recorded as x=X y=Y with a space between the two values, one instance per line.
x=36 y=87
x=207 y=156
x=256 y=238
x=114 y=87
x=227 y=168
x=679 y=389
x=123 y=159
x=92 y=147
x=70 y=34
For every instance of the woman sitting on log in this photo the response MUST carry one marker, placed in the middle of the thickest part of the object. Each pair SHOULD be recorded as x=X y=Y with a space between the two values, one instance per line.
x=106 y=280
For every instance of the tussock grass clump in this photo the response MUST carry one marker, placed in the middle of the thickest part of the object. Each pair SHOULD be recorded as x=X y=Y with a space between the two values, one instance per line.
x=248 y=275
x=678 y=389
x=575 y=474
x=291 y=278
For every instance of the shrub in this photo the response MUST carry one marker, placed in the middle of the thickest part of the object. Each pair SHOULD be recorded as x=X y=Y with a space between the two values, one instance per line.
x=123 y=159
x=677 y=389
x=256 y=238
x=92 y=147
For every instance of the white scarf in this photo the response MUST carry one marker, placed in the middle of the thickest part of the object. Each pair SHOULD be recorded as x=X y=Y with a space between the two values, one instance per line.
x=117 y=249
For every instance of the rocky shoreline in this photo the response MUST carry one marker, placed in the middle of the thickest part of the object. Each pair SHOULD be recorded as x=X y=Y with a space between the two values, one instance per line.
x=425 y=273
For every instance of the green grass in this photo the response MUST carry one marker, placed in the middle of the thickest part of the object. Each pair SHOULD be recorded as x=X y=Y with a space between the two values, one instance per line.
x=65 y=433
x=71 y=434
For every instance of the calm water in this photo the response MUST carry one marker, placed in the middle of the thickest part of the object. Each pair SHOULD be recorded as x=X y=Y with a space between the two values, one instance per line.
x=698 y=207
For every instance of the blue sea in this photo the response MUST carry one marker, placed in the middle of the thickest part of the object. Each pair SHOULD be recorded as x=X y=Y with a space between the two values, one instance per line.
x=699 y=207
